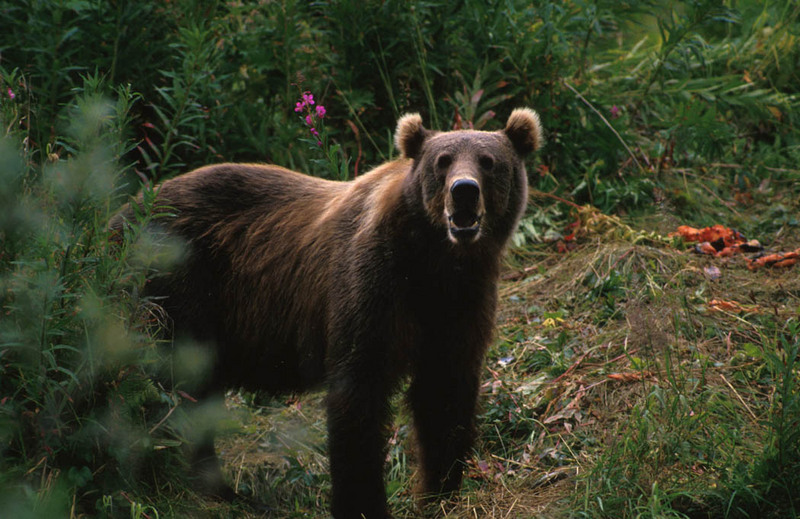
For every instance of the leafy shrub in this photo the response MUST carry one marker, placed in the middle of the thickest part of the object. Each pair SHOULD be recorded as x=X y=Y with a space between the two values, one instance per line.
x=80 y=407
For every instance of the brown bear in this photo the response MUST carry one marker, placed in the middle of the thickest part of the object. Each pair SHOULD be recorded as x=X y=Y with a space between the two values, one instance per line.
x=294 y=282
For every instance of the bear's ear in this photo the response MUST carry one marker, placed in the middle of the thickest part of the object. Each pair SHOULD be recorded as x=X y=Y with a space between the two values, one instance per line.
x=410 y=135
x=524 y=130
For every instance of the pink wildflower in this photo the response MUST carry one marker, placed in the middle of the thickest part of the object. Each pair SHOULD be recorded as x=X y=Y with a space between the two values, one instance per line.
x=304 y=105
x=11 y=94
x=615 y=112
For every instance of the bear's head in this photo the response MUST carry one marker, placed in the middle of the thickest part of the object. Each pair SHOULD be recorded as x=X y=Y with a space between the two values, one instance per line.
x=471 y=183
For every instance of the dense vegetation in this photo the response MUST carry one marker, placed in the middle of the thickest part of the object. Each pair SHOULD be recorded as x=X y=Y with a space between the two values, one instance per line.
x=619 y=385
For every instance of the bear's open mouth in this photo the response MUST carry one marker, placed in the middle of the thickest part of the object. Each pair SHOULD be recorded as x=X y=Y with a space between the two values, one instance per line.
x=464 y=224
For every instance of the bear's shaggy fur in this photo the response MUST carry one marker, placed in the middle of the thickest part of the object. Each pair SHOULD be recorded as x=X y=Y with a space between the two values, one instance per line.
x=295 y=282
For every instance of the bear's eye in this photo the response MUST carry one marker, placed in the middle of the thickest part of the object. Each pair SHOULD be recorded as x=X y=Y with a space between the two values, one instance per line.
x=444 y=161
x=486 y=162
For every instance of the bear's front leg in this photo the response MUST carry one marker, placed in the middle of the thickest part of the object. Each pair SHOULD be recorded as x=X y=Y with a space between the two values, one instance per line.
x=443 y=396
x=358 y=418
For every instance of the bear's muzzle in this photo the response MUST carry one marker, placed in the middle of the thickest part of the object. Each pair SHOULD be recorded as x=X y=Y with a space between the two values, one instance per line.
x=464 y=210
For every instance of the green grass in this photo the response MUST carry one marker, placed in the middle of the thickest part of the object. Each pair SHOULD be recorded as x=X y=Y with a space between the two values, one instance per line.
x=613 y=389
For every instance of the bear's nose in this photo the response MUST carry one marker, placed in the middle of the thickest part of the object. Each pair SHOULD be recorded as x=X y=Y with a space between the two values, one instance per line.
x=465 y=192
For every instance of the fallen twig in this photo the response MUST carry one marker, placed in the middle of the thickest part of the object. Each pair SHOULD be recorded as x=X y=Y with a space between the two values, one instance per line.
x=739 y=397
x=595 y=110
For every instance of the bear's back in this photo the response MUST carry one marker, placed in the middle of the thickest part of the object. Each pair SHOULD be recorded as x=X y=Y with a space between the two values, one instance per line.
x=218 y=193
x=278 y=236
